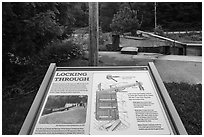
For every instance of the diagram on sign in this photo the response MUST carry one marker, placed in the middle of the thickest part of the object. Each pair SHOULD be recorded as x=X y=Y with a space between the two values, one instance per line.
x=111 y=112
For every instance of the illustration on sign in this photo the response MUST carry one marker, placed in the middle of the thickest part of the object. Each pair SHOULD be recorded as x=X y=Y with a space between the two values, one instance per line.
x=107 y=102
x=125 y=103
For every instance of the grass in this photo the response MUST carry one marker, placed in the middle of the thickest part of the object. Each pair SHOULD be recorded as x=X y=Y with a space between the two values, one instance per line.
x=14 y=112
x=188 y=102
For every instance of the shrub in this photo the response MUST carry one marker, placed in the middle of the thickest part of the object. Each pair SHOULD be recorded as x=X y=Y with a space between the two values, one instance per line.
x=104 y=40
x=159 y=30
x=28 y=77
x=58 y=52
x=186 y=36
x=81 y=39
x=126 y=20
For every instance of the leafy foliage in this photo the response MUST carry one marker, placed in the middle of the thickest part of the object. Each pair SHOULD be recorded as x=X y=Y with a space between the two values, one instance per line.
x=22 y=83
x=28 y=28
x=58 y=52
x=106 y=12
x=158 y=30
x=186 y=37
x=125 y=20
x=180 y=15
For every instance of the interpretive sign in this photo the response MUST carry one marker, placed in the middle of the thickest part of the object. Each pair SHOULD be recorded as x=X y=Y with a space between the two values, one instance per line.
x=103 y=100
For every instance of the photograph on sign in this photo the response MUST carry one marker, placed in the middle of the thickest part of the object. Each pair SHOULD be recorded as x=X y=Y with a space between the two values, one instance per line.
x=64 y=110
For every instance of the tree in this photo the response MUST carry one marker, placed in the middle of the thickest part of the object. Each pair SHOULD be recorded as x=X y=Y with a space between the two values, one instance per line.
x=180 y=15
x=145 y=13
x=29 y=27
x=125 y=20
x=26 y=29
x=106 y=12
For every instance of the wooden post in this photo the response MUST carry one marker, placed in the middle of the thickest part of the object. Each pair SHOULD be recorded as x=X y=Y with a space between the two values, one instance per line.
x=155 y=17
x=93 y=34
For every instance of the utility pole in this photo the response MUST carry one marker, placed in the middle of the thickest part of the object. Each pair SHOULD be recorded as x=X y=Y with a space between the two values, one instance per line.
x=93 y=34
x=155 y=16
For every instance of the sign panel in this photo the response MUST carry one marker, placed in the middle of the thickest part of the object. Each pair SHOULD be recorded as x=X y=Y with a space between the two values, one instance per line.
x=122 y=100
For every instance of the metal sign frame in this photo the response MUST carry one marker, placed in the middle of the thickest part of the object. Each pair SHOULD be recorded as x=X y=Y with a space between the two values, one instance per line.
x=170 y=110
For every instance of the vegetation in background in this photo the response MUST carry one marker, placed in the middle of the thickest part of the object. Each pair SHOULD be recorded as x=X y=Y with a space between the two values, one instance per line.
x=30 y=33
x=172 y=16
x=106 y=13
x=158 y=30
x=125 y=20
x=187 y=37
x=58 y=52
x=81 y=37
